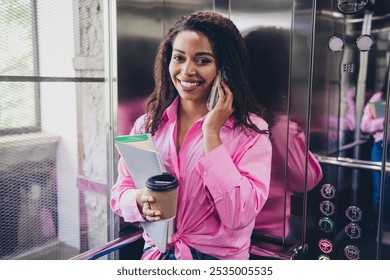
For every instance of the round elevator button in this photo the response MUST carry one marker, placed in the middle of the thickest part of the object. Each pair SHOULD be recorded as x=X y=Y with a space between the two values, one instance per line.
x=365 y=42
x=352 y=252
x=323 y=258
x=325 y=245
x=328 y=191
x=327 y=208
x=353 y=231
x=336 y=44
x=326 y=224
x=354 y=213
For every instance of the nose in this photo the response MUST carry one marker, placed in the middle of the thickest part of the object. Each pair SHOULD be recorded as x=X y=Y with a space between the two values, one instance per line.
x=188 y=69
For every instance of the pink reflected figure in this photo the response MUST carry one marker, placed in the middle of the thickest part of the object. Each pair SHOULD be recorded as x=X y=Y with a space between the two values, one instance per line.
x=128 y=112
x=268 y=49
x=271 y=219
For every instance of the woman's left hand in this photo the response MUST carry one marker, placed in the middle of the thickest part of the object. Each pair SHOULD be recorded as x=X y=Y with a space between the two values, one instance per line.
x=217 y=117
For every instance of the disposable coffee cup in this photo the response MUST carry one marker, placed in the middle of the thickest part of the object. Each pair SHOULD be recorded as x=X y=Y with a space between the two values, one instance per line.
x=163 y=188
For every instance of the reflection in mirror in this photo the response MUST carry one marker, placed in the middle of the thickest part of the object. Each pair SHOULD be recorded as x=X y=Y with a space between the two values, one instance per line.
x=269 y=51
x=347 y=127
x=372 y=123
x=345 y=75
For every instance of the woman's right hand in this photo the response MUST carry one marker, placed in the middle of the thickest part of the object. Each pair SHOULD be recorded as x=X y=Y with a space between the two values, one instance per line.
x=217 y=117
x=143 y=201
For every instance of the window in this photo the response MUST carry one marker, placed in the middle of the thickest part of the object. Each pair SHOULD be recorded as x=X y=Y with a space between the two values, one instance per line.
x=19 y=110
x=53 y=179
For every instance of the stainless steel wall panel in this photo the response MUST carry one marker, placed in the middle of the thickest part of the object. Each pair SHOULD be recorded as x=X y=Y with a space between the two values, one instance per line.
x=255 y=18
x=222 y=7
x=173 y=9
x=300 y=85
x=140 y=28
x=249 y=14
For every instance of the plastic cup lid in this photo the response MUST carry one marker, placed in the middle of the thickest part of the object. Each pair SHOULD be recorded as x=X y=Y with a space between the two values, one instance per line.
x=162 y=182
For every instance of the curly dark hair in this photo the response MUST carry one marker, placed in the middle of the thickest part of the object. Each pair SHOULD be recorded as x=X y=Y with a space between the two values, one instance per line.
x=231 y=56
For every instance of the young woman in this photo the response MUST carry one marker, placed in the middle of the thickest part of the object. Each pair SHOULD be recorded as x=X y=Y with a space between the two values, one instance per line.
x=221 y=157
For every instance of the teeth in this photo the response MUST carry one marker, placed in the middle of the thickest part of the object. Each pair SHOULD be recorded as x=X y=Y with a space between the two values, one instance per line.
x=185 y=84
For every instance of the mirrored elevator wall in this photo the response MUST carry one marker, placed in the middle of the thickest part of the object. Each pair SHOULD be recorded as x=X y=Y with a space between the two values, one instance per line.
x=338 y=53
x=350 y=67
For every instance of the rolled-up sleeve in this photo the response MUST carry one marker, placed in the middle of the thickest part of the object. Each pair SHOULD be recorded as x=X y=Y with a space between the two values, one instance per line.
x=297 y=169
x=238 y=187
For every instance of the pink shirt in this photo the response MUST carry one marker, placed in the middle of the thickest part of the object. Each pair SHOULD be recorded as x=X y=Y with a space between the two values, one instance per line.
x=370 y=124
x=270 y=220
x=220 y=193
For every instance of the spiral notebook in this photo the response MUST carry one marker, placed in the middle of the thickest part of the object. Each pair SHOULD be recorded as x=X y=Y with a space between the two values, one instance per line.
x=143 y=161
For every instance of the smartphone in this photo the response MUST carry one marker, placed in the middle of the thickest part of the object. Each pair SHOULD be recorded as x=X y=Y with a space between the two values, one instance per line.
x=213 y=97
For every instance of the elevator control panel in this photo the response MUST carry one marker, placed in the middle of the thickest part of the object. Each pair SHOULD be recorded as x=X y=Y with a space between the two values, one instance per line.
x=340 y=231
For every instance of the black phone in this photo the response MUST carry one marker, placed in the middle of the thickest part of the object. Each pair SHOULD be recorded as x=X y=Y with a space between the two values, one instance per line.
x=213 y=97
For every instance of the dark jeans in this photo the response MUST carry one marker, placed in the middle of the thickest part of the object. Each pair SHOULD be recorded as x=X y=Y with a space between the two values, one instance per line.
x=376 y=155
x=196 y=255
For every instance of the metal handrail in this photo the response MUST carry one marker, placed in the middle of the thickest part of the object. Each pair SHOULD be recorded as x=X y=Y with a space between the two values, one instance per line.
x=289 y=255
x=353 y=163
x=118 y=243
x=348 y=146
x=111 y=246
x=270 y=246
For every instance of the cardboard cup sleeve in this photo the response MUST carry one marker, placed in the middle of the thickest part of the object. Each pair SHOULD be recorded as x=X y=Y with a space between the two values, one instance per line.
x=163 y=188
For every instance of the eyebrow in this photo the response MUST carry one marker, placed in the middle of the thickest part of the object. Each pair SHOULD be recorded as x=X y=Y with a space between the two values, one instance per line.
x=197 y=54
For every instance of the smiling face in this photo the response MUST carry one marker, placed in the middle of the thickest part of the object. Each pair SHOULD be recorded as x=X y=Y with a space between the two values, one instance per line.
x=193 y=66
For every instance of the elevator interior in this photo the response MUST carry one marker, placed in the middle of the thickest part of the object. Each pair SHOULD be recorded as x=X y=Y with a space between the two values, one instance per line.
x=338 y=57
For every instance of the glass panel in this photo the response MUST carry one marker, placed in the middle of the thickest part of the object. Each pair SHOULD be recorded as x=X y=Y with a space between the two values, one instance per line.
x=139 y=32
x=53 y=183
x=18 y=105
x=16 y=33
